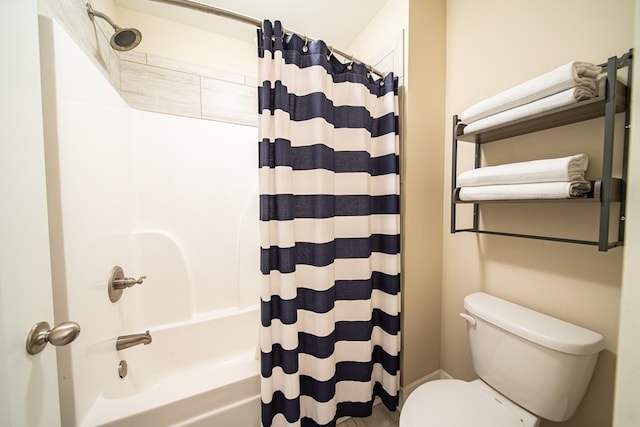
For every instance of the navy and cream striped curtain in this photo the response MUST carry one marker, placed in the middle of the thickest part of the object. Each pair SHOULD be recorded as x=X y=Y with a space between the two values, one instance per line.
x=330 y=234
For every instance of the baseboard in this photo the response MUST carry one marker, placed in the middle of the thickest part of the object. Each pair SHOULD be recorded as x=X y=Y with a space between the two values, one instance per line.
x=406 y=390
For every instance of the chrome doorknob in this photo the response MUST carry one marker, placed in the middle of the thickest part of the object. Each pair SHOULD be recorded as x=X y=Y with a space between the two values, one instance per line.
x=41 y=334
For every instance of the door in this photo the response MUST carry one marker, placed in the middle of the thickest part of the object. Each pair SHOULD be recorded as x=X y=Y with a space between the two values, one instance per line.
x=28 y=384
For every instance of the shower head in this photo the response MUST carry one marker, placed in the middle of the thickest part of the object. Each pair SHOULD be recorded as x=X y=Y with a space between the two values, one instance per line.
x=123 y=38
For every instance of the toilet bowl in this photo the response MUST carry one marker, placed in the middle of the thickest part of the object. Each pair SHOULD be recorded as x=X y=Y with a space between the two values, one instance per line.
x=454 y=403
x=531 y=366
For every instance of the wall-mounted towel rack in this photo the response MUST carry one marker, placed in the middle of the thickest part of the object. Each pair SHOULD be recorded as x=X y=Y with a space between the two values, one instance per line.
x=614 y=98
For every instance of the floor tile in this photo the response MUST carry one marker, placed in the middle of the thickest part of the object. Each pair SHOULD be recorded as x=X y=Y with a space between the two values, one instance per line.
x=381 y=417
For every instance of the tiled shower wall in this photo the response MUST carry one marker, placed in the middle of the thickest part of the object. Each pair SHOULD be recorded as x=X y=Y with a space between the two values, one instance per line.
x=152 y=83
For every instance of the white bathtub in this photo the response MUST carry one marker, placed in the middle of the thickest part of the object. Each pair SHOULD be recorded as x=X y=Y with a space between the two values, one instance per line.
x=196 y=373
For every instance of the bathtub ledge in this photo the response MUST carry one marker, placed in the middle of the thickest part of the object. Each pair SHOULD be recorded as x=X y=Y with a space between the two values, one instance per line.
x=204 y=390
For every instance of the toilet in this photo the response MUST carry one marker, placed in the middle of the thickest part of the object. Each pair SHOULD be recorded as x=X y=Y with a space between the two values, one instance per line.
x=531 y=366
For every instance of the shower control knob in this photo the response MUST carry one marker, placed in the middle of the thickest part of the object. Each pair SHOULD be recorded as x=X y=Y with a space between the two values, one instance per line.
x=41 y=334
x=128 y=282
x=118 y=283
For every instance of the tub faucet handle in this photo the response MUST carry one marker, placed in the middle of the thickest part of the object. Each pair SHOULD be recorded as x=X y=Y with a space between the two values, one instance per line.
x=128 y=282
x=118 y=283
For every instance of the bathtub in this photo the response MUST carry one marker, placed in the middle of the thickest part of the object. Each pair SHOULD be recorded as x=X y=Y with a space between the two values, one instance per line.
x=200 y=368
x=196 y=373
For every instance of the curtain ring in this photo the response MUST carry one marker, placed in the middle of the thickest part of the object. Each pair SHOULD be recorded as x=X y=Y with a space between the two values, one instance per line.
x=305 y=48
x=330 y=53
x=350 y=66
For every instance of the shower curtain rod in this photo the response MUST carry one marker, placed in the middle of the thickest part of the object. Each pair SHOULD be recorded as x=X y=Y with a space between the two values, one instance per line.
x=201 y=7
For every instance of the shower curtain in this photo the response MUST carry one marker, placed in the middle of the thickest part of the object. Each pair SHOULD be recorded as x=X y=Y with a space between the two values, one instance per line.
x=330 y=234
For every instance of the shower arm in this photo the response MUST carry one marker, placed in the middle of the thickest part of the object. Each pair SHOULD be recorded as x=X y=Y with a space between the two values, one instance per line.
x=93 y=13
x=205 y=8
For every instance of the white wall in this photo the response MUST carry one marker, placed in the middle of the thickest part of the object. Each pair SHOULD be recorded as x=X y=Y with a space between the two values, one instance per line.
x=196 y=180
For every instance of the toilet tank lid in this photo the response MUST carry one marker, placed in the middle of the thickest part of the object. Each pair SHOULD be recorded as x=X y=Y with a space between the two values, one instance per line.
x=536 y=327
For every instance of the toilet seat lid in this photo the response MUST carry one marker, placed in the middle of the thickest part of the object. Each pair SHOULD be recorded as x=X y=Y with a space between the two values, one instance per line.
x=453 y=403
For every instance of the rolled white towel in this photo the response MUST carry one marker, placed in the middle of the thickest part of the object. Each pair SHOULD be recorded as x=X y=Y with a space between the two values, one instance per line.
x=574 y=74
x=570 y=168
x=561 y=99
x=533 y=191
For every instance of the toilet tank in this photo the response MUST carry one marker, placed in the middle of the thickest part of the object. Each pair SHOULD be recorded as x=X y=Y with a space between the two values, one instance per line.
x=537 y=361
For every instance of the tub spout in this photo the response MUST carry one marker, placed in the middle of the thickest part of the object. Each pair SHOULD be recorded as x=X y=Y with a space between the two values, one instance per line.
x=126 y=341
